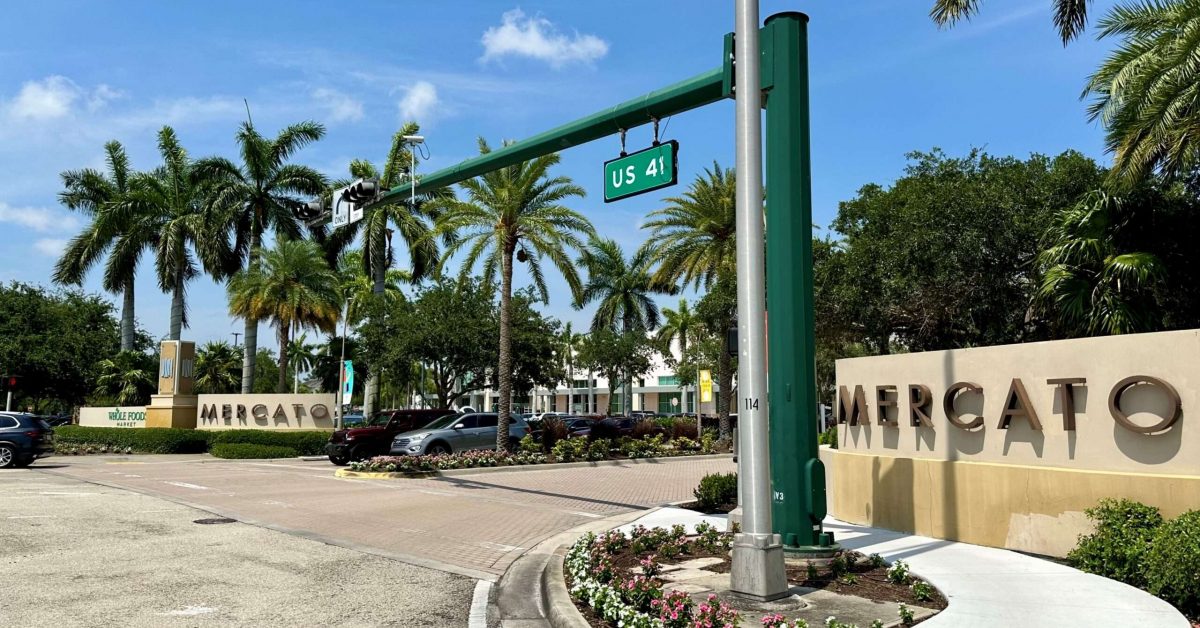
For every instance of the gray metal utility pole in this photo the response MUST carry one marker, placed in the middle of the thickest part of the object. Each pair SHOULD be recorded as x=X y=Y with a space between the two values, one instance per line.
x=757 y=570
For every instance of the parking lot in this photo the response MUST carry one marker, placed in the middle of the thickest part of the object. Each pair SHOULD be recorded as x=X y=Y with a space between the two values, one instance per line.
x=93 y=535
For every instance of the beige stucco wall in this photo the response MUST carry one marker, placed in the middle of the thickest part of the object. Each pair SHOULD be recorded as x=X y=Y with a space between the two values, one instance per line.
x=1019 y=488
x=125 y=416
x=1098 y=442
x=265 y=412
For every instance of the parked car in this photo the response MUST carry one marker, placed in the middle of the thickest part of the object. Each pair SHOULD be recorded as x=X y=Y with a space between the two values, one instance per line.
x=23 y=439
x=375 y=438
x=353 y=419
x=578 y=426
x=456 y=433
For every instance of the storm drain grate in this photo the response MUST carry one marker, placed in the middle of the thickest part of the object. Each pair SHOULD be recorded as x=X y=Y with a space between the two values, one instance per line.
x=214 y=520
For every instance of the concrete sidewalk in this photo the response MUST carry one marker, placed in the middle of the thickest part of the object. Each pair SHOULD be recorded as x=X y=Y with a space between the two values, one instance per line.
x=989 y=587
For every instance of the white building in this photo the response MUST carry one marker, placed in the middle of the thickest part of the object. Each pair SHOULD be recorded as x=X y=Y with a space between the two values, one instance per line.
x=658 y=391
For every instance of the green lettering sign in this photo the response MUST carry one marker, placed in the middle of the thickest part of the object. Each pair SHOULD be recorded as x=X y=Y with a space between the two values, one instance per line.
x=640 y=172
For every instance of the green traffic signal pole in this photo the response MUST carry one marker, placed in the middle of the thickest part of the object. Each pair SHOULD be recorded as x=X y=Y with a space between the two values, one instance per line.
x=797 y=475
x=798 y=502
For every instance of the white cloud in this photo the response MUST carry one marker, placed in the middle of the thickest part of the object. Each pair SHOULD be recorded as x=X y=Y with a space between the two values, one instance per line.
x=51 y=247
x=538 y=38
x=342 y=108
x=54 y=97
x=38 y=218
x=419 y=102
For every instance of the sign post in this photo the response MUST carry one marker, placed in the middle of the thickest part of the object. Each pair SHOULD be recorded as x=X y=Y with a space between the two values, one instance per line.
x=641 y=172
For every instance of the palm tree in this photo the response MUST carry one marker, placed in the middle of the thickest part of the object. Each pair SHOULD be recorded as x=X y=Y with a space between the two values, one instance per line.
x=412 y=221
x=358 y=288
x=678 y=324
x=127 y=377
x=1146 y=91
x=622 y=288
x=692 y=241
x=303 y=356
x=262 y=194
x=1070 y=16
x=514 y=211
x=218 y=368
x=165 y=210
x=1090 y=286
x=94 y=193
x=293 y=287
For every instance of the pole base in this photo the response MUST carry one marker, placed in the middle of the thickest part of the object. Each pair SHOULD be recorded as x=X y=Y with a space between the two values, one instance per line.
x=757 y=572
x=797 y=553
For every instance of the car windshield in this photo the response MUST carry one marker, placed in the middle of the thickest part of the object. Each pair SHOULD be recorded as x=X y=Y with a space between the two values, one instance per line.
x=380 y=420
x=441 y=423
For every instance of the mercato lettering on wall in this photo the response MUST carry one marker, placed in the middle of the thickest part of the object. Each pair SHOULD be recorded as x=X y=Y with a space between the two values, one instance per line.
x=262 y=414
x=852 y=407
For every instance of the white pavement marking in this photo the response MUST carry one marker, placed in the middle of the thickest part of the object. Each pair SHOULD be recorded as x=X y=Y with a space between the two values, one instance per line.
x=499 y=547
x=276 y=466
x=479 y=603
x=191 y=610
x=586 y=514
x=187 y=485
x=441 y=493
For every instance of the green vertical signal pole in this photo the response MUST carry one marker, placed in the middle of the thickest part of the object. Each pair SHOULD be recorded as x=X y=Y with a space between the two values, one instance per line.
x=797 y=476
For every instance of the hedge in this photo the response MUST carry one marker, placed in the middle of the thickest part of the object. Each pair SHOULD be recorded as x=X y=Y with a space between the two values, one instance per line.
x=250 y=450
x=144 y=441
x=181 y=441
x=305 y=443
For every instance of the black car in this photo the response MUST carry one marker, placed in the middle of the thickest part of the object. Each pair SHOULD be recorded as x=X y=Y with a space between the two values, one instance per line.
x=23 y=439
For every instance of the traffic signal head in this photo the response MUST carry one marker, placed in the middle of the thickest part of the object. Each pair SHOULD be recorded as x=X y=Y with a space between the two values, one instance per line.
x=9 y=383
x=361 y=191
x=309 y=210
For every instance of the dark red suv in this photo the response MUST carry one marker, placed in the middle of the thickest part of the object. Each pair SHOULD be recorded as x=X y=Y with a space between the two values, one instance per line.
x=375 y=438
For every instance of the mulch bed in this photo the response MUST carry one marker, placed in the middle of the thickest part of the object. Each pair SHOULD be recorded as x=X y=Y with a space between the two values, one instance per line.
x=872 y=583
x=723 y=509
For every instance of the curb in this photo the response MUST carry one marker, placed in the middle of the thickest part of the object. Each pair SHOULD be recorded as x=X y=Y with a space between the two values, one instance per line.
x=534 y=590
x=379 y=475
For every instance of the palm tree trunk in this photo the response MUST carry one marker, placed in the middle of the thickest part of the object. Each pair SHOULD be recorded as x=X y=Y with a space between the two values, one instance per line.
x=250 y=335
x=177 y=307
x=724 y=384
x=371 y=389
x=281 y=387
x=505 y=366
x=127 y=319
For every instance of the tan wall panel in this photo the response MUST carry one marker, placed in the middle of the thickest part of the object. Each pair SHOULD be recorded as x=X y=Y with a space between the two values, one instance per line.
x=1027 y=508
x=111 y=416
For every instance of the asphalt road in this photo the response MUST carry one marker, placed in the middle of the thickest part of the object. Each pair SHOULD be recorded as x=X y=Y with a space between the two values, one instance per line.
x=98 y=541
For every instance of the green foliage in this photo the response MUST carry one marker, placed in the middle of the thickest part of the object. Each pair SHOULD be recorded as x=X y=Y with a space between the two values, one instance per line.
x=649 y=447
x=875 y=561
x=898 y=573
x=828 y=437
x=530 y=446
x=1145 y=90
x=55 y=341
x=838 y=565
x=304 y=442
x=1173 y=563
x=142 y=441
x=906 y=614
x=922 y=590
x=250 y=451
x=708 y=442
x=129 y=378
x=617 y=355
x=570 y=449
x=599 y=449
x=1119 y=545
x=716 y=491
x=942 y=258
x=218 y=368
x=1070 y=16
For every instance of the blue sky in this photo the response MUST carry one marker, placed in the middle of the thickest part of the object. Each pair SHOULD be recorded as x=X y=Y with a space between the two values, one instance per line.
x=885 y=81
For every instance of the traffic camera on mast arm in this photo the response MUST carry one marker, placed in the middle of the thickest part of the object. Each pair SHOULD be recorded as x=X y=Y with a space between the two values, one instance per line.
x=349 y=202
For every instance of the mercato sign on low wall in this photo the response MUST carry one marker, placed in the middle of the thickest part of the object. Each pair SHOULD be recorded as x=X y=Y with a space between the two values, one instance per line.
x=1006 y=446
x=265 y=412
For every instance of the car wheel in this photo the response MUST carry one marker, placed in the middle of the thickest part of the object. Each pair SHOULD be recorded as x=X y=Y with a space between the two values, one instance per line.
x=360 y=453
x=438 y=449
x=340 y=461
x=8 y=456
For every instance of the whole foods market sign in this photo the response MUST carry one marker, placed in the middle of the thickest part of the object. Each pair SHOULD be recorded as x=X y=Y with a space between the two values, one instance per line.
x=133 y=416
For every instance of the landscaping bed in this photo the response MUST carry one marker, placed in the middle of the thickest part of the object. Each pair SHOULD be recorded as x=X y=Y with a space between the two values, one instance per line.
x=80 y=440
x=530 y=453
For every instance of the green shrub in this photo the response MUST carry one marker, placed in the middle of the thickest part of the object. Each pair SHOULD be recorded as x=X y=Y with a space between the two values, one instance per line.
x=154 y=440
x=828 y=437
x=1172 y=566
x=570 y=449
x=643 y=447
x=530 y=446
x=716 y=491
x=250 y=450
x=598 y=449
x=553 y=430
x=1124 y=531
x=305 y=442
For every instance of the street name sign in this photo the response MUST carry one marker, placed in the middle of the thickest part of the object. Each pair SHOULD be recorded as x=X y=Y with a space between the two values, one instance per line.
x=641 y=172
